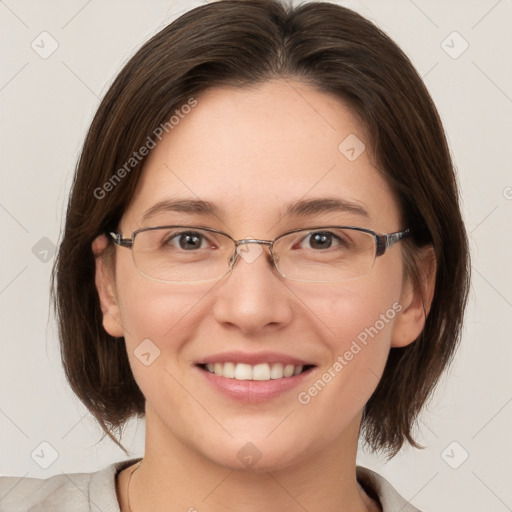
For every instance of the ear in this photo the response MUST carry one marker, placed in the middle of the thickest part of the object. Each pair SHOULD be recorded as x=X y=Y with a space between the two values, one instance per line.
x=416 y=300
x=105 y=284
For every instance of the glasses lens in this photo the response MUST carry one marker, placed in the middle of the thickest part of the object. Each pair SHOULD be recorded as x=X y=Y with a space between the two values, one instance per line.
x=325 y=254
x=179 y=254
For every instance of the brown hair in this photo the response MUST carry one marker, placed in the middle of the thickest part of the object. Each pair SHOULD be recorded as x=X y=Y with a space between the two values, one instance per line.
x=245 y=43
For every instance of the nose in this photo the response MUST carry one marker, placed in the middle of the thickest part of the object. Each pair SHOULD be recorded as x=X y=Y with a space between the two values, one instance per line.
x=252 y=296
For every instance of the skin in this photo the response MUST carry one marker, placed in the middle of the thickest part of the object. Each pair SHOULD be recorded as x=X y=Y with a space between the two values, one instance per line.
x=250 y=151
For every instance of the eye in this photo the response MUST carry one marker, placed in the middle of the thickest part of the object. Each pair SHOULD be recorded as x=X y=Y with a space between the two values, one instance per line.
x=186 y=240
x=324 y=240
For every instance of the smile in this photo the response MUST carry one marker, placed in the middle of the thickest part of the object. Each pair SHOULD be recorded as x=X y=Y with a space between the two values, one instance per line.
x=261 y=371
x=254 y=377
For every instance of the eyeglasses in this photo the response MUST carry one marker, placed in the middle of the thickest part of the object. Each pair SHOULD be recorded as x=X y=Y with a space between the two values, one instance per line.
x=181 y=254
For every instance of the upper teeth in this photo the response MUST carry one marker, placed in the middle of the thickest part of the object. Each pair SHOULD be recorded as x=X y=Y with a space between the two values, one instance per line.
x=263 y=371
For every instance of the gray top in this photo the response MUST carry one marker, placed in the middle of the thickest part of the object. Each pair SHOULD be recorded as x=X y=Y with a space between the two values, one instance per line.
x=96 y=492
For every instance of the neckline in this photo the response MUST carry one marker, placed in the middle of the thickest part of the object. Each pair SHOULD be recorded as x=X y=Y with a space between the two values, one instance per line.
x=363 y=477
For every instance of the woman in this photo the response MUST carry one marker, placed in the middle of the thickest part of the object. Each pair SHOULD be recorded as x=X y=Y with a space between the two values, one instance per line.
x=264 y=257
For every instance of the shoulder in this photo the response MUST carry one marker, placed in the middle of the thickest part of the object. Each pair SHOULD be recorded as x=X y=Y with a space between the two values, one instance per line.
x=67 y=491
x=380 y=489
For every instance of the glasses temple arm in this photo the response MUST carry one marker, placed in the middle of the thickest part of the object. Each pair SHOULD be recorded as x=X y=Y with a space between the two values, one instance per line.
x=385 y=242
x=119 y=240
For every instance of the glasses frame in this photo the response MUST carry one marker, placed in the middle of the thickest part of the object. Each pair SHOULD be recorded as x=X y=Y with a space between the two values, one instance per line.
x=383 y=242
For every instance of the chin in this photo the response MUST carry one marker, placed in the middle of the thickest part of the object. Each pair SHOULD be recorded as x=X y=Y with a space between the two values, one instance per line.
x=256 y=454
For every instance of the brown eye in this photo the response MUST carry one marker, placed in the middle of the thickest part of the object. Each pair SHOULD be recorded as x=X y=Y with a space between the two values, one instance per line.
x=321 y=240
x=186 y=240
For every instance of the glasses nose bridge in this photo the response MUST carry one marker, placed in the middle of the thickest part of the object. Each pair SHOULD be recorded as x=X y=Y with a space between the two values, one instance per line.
x=246 y=241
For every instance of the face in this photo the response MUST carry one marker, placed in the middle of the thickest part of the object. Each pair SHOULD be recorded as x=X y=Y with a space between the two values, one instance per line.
x=251 y=153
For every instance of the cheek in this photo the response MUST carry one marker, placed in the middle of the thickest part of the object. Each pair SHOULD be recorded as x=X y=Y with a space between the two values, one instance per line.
x=360 y=310
x=158 y=321
x=153 y=309
x=149 y=309
x=157 y=318
x=363 y=336
x=360 y=321
x=360 y=317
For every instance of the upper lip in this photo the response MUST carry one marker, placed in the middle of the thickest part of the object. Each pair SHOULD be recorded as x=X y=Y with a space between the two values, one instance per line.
x=253 y=358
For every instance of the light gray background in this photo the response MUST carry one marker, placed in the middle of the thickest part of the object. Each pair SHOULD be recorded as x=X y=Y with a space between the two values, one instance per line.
x=46 y=106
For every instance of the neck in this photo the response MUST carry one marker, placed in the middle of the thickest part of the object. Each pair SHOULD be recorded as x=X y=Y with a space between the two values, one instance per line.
x=175 y=477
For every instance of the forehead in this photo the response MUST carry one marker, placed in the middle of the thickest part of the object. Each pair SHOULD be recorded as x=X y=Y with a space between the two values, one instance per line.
x=254 y=152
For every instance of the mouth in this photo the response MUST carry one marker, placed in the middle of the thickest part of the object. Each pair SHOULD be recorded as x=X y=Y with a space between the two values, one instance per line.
x=254 y=378
x=257 y=372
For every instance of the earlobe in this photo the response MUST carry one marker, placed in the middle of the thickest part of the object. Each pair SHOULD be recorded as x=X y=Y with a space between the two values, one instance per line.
x=105 y=285
x=416 y=300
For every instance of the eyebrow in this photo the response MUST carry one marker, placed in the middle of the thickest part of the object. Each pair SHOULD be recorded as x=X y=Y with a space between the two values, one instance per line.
x=301 y=208
x=197 y=206
x=305 y=207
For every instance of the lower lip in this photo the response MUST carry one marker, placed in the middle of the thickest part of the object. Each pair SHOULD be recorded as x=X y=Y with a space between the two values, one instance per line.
x=253 y=391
